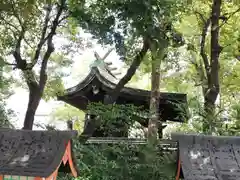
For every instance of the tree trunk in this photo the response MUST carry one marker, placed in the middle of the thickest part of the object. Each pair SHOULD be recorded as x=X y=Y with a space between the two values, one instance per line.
x=209 y=109
x=33 y=102
x=212 y=92
x=36 y=87
x=154 y=102
x=154 y=121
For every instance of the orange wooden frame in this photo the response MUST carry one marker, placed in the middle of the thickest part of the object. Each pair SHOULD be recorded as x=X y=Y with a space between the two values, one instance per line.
x=67 y=157
x=53 y=175
x=178 y=169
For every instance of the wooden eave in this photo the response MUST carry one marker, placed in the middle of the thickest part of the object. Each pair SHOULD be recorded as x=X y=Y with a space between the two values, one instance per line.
x=108 y=83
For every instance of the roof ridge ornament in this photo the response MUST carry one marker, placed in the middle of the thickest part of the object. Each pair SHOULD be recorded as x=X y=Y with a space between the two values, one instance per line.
x=99 y=62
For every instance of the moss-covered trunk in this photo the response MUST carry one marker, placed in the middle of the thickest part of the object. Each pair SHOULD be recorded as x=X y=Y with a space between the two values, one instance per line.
x=154 y=121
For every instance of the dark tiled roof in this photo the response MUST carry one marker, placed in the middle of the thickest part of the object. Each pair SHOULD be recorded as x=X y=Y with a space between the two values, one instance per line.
x=209 y=157
x=32 y=153
x=109 y=83
x=172 y=106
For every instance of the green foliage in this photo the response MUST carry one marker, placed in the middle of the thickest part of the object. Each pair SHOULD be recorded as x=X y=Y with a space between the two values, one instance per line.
x=16 y=16
x=123 y=161
x=57 y=66
x=191 y=80
x=114 y=114
x=5 y=115
x=5 y=92
x=13 y=17
x=123 y=23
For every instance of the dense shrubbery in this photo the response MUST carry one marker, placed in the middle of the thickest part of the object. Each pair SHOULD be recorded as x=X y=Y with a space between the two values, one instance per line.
x=121 y=161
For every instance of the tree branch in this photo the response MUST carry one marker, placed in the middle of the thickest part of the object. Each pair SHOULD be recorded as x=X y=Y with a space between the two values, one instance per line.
x=202 y=46
x=43 y=38
x=17 y=17
x=112 y=97
x=63 y=18
x=21 y=64
x=14 y=30
x=10 y=24
x=50 y=46
x=201 y=17
x=225 y=19
x=199 y=69
x=206 y=24
x=9 y=64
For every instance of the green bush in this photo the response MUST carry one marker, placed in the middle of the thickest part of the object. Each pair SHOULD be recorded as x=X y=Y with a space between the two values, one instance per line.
x=122 y=161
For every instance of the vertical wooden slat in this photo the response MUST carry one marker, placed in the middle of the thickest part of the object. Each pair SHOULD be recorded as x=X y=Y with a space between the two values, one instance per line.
x=68 y=150
x=38 y=178
x=178 y=169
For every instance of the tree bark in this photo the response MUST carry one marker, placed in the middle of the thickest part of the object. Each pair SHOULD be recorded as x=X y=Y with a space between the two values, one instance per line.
x=36 y=88
x=213 y=89
x=33 y=102
x=209 y=74
x=154 y=121
x=154 y=102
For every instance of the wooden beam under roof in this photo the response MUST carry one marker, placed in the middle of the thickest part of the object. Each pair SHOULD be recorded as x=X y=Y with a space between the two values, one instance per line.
x=116 y=140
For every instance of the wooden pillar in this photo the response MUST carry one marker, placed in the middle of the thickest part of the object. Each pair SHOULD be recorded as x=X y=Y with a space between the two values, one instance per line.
x=69 y=125
x=160 y=131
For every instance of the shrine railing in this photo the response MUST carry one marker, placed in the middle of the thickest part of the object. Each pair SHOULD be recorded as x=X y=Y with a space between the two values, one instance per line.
x=164 y=144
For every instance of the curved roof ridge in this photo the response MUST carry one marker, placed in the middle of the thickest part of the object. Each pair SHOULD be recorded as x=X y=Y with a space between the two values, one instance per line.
x=109 y=82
